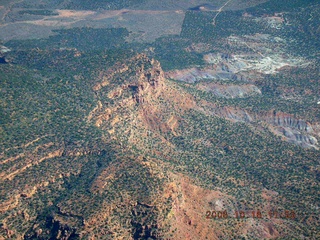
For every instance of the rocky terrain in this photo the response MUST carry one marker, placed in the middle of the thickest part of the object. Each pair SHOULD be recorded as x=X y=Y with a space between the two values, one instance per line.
x=203 y=128
x=139 y=112
x=236 y=76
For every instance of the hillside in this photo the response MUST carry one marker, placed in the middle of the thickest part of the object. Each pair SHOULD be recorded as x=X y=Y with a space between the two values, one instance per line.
x=210 y=132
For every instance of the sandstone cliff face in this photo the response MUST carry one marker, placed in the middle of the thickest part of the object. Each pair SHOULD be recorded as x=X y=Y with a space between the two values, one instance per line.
x=139 y=75
x=143 y=100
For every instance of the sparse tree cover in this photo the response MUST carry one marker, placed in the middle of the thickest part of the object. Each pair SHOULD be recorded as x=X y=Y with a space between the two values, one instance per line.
x=103 y=139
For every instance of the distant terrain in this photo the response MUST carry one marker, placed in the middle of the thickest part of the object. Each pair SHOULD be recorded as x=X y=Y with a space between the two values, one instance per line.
x=147 y=20
x=146 y=120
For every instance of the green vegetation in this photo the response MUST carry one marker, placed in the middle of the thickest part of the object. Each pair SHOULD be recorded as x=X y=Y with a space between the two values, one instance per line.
x=274 y=6
x=198 y=27
x=172 y=53
x=39 y=12
x=103 y=4
x=80 y=170
x=80 y=38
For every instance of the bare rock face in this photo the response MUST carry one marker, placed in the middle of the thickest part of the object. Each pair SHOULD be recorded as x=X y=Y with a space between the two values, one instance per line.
x=138 y=76
x=291 y=129
x=287 y=120
x=149 y=81
x=294 y=130
x=298 y=137
x=138 y=93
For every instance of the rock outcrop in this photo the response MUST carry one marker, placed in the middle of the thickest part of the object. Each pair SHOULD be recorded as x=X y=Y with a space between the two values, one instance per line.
x=141 y=94
x=292 y=129
x=288 y=120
